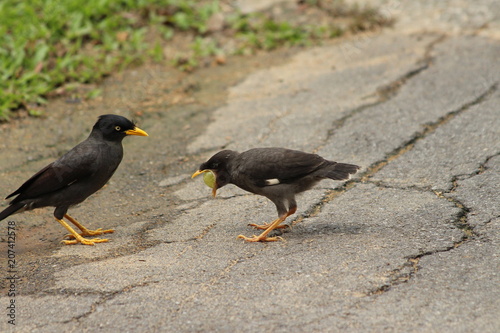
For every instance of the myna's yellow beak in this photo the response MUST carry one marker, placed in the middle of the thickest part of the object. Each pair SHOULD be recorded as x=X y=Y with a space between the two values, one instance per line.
x=199 y=172
x=208 y=178
x=136 y=131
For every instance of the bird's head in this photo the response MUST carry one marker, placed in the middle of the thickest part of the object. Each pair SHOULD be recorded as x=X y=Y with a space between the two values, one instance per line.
x=114 y=127
x=216 y=170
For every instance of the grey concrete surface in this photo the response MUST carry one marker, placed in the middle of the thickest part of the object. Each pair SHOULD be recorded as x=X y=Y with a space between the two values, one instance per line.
x=411 y=244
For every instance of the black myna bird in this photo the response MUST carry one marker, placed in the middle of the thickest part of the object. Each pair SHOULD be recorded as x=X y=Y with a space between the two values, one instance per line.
x=276 y=173
x=76 y=175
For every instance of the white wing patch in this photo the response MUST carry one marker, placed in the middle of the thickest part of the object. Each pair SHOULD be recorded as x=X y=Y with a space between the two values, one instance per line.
x=273 y=181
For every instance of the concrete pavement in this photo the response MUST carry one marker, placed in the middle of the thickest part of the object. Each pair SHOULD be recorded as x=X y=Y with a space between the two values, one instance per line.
x=409 y=245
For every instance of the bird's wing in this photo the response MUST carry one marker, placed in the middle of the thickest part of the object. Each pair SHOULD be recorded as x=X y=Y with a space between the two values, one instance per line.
x=73 y=166
x=273 y=166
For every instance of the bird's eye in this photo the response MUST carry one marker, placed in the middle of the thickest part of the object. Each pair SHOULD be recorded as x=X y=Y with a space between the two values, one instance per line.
x=118 y=128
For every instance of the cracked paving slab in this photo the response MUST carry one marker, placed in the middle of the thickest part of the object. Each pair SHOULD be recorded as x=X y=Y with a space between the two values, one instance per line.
x=458 y=147
x=331 y=262
x=39 y=313
x=480 y=194
x=181 y=239
x=280 y=105
x=454 y=78
x=448 y=286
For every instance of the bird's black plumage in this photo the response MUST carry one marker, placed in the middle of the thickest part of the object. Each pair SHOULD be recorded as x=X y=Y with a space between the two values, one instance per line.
x=276 y=173
x=77 y=174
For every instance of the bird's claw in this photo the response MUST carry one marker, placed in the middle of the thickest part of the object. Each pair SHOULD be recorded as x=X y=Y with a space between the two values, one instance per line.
x=260 y=238
x=85 y=241
x=96 y=232
x=267 y=225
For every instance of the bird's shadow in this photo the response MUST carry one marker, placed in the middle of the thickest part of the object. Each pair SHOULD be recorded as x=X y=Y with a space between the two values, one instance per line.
x=321 y=228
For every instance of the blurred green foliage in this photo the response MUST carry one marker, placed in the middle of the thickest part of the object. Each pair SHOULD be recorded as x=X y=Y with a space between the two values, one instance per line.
x=45 y=44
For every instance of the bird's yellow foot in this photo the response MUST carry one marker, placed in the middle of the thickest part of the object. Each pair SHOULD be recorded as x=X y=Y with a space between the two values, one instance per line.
x=267 y=225
x=97 y=232
x=84 y=241
x=78 y=237
x=260 y=238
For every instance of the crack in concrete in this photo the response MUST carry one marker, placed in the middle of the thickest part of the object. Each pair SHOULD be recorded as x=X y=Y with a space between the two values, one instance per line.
x=408 y=270
x=104 y=297
x=388 y=91
x=405 y=272
x=204 y=287
x=337 y=124
x=385 y=93
x=428 y=129
x=481 y=169
x=272 y=123
x=107 y=297
x=205 y=231
x=397 y=276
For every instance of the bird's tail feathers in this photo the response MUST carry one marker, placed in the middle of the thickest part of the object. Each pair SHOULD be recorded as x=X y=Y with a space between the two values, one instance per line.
x=341 y=171
x=11 y=209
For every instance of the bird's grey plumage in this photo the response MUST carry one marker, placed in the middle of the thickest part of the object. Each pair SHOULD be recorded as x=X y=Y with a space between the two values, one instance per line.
x=276 y=173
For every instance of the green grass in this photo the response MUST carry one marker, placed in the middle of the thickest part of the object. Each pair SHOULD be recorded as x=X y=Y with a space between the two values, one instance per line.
x=49 y=44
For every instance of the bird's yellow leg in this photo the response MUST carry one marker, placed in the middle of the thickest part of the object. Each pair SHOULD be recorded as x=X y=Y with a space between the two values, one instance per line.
x=271 y=226
x=85 y=231
x=263 y=236
x=77 y=237
x=267 y=225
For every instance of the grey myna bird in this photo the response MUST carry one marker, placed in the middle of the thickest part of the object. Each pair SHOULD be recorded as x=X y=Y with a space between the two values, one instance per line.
x=76 y=175
x=276 y=173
